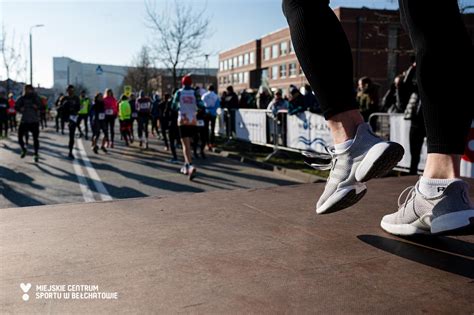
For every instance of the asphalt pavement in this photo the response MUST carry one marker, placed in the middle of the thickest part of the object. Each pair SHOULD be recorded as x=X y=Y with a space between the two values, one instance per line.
x=122 y=173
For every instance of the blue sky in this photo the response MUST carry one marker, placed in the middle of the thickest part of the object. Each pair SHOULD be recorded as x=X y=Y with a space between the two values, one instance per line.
x=112 y=32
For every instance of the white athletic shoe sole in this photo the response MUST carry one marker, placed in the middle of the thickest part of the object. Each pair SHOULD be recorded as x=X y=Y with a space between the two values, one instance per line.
x=343 y=198
x=420 y=226
x=452 y=222
x=379 y=160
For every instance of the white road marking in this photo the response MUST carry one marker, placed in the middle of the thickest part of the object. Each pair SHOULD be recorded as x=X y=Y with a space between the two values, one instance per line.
x=86 y=192
x=93 y=176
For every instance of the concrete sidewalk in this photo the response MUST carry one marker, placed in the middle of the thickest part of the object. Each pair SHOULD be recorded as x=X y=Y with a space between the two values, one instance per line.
x=244 y=251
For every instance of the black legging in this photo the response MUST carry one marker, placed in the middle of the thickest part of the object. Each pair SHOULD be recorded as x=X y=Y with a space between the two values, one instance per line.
x=83 y=118
x=143 y=121
x=4 y=126
x=72 y=134
x=164 y=129
x=444 y=54
x=110 y=121
x=23 y=130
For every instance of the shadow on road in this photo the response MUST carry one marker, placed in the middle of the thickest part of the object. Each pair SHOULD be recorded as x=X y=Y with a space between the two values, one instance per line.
x=442 y=253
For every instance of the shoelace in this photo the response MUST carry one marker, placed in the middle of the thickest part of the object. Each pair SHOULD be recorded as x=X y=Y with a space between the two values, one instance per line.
x=320 y=161
x=410 y=193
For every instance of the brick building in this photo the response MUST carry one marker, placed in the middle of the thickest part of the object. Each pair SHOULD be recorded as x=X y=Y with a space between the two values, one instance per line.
x=240 y=67
x=381 y=49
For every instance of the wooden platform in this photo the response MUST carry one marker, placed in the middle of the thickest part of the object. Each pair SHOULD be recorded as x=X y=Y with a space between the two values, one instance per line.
x=257 y=251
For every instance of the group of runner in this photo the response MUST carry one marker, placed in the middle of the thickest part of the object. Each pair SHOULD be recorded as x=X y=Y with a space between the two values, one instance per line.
x=179 y=119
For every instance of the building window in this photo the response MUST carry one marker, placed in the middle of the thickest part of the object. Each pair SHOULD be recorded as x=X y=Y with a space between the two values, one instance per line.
x=226 y=64
x=283 y=71
x=252 y=58
x=241 y=61
x=246 y=59
x=246 y=77
x=283 y=48
x=235 y=78
x=265 y=74
x=266 y=53
x=275 y=72
x=275 y=50
x=236 y=62
x=301 y=72
x=241 y=77
x=231 y=65
x=221 y=65
x=293 y=70
x=292 y=48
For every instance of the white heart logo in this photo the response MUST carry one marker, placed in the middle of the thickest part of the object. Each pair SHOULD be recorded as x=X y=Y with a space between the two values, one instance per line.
x=25 y=287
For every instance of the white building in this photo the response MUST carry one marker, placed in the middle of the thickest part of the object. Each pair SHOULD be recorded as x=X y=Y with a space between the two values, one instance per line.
x=94 y=77
x=98 y=77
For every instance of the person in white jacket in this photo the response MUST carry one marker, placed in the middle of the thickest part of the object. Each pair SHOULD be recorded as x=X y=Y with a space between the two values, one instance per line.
x=212 y=102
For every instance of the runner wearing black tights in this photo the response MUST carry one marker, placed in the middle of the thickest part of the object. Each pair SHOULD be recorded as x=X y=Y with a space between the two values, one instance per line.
x=445 y=64
x=444 y=50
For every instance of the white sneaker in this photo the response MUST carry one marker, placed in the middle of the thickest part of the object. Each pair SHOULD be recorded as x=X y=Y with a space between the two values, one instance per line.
x=452 y=212
x=367 y=158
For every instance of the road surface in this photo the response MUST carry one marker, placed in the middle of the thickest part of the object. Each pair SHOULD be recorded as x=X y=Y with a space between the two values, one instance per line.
x=125 y=172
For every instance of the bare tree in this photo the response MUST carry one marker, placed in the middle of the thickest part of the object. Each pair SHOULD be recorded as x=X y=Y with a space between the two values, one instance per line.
x=12 y=59
x=178 y=32
x=142 y=71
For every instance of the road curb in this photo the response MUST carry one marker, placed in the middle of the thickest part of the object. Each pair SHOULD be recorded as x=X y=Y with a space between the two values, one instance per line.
x=295 y=174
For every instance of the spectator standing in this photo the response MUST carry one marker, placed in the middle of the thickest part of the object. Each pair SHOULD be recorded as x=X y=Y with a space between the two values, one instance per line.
x=297 y=102
x=414 y=113
x=310 y=101
x=367 y=97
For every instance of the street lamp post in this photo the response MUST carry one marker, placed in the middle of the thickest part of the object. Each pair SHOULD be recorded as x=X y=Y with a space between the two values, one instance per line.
x=31 y=50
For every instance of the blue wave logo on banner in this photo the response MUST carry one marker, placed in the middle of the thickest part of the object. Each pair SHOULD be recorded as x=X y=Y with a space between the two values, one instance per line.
x=309 y=142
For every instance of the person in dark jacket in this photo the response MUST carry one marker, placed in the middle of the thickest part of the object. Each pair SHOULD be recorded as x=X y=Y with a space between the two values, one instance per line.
x=170 y=119
x=414 y=113
x=71 y=105
x=397 y=97
x=29 y=106
x=231 y=102
x=3 y=115
x=310 y=101
x=99 y=124
x=59 y=114
x=367 y=97
x=132 y=102
x=155 y=115
x=164 y=122
x=297 y=102
x=143 y=105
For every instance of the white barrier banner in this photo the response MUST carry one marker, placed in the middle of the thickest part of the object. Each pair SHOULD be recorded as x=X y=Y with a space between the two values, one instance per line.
x=307 y=131
x=251 y=125
x=400 y=132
